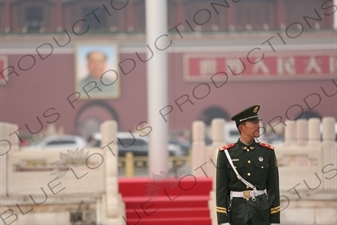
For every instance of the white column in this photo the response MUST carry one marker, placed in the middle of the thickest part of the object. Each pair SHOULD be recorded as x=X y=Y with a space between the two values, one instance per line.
x=335 y=17
x=156 y=25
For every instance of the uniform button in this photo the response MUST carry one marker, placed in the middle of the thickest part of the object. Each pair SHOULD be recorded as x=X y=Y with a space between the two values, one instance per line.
x=248 y=174
x=247 y=187
x=248 y=161
x=262 y=167
x=247 y=150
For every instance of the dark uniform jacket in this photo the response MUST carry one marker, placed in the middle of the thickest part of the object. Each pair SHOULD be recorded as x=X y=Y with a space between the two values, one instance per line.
x=257 y=164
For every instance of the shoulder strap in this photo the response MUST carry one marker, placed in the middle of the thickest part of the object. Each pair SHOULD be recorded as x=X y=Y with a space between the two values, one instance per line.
x=266 y=145
x=236 y=172
x=227 y=147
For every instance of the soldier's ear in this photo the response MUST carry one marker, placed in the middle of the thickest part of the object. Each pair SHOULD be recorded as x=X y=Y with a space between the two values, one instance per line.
x=240 y=127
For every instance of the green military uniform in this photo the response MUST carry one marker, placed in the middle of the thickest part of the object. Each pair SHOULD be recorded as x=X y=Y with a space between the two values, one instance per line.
x=257 y=164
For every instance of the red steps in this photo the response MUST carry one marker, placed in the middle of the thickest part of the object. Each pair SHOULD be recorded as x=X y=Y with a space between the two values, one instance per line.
x=166 y=202
x=178 y=212
x=170 y=221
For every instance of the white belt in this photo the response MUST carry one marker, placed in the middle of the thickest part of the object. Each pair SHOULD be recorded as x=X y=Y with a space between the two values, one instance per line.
x=247 y=194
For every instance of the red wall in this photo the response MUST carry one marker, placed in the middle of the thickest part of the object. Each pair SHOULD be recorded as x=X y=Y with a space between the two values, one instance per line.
x=49 y=83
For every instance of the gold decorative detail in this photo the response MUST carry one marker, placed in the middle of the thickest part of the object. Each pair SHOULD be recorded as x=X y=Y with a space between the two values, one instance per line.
x=275 y=210
x=221 y=209
x=246 y=195
x=256 y=109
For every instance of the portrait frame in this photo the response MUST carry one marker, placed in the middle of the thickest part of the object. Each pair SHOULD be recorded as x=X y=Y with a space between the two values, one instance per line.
x=104 y=80
x=3 y=65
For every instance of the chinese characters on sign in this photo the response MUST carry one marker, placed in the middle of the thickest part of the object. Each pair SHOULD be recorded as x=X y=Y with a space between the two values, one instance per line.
x=283 y=66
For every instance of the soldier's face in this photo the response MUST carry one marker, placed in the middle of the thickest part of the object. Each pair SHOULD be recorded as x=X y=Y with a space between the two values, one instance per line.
x=251 y=128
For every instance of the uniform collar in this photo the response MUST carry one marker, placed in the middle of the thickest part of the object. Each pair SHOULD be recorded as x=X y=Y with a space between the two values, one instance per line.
x=245 y=147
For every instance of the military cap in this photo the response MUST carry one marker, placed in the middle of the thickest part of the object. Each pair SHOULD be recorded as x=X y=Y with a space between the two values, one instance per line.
x=248 y=114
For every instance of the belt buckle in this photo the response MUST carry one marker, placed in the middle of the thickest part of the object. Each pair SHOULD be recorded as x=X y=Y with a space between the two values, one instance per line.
x=246 y=195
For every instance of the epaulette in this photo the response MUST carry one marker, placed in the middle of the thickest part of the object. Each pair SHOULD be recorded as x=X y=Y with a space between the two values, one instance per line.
x=225 y=147
x=266 y=145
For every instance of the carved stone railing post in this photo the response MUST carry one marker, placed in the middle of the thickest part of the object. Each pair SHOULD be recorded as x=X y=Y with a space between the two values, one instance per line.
x=112 y=205
x=290 y=133
x=218 y=140
x=199 y=153
x=314 y=133
x=329 y=156
x=9 y=142
x=301 y=132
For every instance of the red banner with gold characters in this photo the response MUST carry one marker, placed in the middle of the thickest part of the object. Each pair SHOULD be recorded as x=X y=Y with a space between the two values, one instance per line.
x=292 y=65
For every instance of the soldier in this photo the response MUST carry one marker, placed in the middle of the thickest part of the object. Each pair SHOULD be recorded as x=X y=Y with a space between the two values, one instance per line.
x=247 y=181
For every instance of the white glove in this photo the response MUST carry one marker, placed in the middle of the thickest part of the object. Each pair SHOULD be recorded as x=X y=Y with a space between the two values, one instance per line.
x=227 y=224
